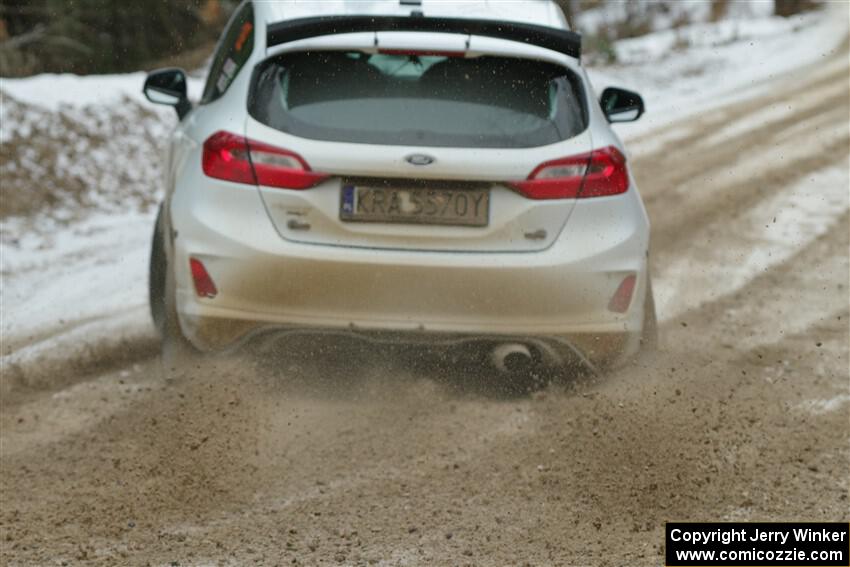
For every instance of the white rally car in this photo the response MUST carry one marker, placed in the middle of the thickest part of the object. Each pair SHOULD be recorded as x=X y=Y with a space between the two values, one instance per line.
x=421 y=171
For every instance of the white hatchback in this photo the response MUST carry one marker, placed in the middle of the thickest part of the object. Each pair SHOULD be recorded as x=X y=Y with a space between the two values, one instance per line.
x=434 y=172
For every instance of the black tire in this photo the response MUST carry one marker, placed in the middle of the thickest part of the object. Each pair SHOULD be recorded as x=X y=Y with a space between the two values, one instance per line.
x=156 y=276
x=649 y=336
x=176 y=350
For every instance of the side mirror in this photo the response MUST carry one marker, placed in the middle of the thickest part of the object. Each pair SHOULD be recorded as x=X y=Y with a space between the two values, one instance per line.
x=620 y=105
x=168 y=86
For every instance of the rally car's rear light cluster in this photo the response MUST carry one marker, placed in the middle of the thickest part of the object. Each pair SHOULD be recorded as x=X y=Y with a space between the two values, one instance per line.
x=235 y=158
x=599 y=173
x=231 y=157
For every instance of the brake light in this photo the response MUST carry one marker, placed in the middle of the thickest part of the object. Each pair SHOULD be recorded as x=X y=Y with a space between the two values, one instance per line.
x=599 y=173
x=606 y=174
x=226 y=157
x=235 y=158
x=422 y=52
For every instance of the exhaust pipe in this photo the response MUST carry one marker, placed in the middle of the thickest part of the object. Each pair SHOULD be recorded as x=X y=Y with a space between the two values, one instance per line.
x=510 y=358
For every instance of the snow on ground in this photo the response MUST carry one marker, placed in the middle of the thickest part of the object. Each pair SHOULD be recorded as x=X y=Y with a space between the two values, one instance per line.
x=76 y=160
x=74 y=270
x=692 y=69
x=818 y=407
x=666 y=15
x=769 y=235
x=53 y=92
x=73 y=292
x=72 y=274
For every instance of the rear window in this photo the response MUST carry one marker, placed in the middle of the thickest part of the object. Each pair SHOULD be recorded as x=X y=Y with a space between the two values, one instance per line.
x=421 y=100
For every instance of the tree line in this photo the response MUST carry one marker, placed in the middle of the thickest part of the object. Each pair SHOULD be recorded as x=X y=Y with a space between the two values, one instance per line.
x=103 y=36
x=112 y=36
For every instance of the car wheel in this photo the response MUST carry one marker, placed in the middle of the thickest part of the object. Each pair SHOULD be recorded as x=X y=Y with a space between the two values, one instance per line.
x=156 y=276
x=176 y=350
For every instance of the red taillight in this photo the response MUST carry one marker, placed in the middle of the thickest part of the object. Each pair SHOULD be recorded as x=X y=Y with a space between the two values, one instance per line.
x=204 y=285
x=623 y=296
x=235 y=158
x=606 y=174
x=281 y=168
x=598 y=173
x=557 y=179
x=226 y=157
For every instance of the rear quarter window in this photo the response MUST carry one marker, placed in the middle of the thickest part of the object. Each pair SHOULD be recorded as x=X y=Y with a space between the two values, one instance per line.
x=423 y=100
x=232 y=53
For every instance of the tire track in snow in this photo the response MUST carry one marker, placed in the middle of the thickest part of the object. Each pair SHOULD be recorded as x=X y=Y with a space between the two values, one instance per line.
x=792 y=296
x=726 y=214
x=686 y=130
x=721 y=258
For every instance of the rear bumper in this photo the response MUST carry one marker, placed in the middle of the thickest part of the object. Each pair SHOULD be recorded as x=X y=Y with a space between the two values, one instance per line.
x=264 y=281
x=589 y=351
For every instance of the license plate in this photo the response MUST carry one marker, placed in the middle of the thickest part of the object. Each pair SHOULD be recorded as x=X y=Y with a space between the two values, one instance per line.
x=459 y=207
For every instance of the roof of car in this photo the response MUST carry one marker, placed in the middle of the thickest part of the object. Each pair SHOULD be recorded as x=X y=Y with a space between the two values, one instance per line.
x=540 y=12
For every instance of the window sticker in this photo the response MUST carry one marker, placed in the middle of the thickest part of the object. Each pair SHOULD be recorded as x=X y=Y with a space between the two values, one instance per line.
x=229 y=68
x=244 y=34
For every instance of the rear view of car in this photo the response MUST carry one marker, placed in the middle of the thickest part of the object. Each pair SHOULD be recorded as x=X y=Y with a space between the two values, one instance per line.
x=427 y=177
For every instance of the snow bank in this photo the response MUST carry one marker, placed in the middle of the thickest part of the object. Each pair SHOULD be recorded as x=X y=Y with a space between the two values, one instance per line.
x=53 y=92
x=73 y=293
x=666 y=15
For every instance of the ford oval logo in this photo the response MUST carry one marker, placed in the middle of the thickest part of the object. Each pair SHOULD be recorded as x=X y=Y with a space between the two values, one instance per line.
x=419 y=159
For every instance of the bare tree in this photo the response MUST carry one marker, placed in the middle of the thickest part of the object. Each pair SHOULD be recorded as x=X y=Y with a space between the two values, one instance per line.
x=719 y=8
x=102 y=36
x=787 y=8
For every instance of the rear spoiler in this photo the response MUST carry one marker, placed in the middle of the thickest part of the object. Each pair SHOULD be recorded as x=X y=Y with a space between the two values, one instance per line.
x=562 y=41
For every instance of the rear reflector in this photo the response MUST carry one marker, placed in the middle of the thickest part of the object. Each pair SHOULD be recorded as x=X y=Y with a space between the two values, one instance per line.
x=623 y=296
x=235 y=158
x=599 y=173
x=204 y=285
